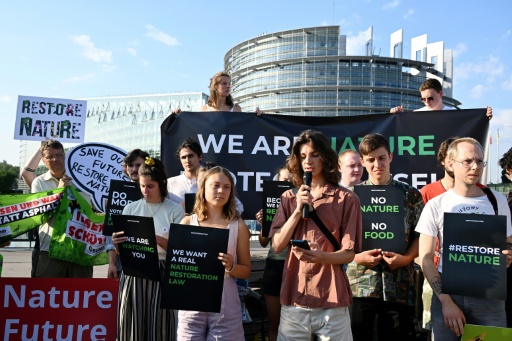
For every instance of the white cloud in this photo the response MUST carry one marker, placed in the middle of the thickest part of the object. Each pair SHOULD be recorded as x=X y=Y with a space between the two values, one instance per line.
x=5 y=99
x=88 y=77
x=391 y=4
x=108 y=67
x=132 y=51
x=491 y=68
x=356 y=44
x=506 y=35
x=408 y=14
x=155 y=34
x=459 y=49
x=92 y=52
x=477 y=91
x=507 y=85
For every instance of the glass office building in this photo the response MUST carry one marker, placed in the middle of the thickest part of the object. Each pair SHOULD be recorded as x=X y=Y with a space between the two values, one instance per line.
x=307 y=72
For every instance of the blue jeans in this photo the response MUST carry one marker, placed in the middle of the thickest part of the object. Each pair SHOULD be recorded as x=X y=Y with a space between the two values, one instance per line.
x=478 y=311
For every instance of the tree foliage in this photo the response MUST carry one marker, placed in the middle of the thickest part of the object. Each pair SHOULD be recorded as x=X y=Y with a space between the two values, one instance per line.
x=8 y=176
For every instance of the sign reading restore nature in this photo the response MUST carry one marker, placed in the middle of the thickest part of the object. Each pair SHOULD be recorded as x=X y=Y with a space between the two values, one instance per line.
x=39 y=118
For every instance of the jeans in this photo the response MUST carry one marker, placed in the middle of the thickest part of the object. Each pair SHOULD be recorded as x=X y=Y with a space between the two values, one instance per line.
x=478 y=311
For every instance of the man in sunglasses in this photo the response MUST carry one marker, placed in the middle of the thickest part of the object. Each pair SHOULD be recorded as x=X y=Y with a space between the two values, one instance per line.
x=432 y=95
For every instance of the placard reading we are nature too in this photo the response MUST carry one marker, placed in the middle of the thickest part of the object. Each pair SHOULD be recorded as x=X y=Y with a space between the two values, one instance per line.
x=472 y=262
x=383 y=217
x=272 y=191
x=139 y=254
x=121 y=193
x=194 y=276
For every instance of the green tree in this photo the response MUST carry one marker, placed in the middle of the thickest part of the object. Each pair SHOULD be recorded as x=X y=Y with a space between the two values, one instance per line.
x=8 y=176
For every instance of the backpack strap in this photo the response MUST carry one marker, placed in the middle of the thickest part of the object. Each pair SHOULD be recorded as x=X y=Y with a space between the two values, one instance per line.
x=492 y=198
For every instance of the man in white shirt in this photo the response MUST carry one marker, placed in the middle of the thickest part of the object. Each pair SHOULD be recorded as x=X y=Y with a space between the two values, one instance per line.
x=190 y=155
x=351 y=168
x=432 y=95
x=451 y=312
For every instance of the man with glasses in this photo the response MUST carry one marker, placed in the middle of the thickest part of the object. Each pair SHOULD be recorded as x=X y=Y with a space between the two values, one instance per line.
x=53 y=156
x=451 y=312
x=432 y=95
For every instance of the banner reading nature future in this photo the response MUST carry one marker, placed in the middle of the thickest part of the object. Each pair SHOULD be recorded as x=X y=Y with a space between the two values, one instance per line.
x=252 y=146
x=20 y=213
x=39 y=118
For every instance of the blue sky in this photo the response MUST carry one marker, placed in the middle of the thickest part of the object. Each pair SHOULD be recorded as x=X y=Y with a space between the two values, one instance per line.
x=102 y=48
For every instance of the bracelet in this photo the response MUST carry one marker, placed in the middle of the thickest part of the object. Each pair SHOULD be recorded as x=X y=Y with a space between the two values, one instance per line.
x=29 y=169
x=232 y=267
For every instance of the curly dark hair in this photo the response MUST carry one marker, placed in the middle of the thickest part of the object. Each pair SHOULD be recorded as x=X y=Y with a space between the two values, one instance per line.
x=191 y=144
x=321 y=144
x=506 y=161
x=443 y=149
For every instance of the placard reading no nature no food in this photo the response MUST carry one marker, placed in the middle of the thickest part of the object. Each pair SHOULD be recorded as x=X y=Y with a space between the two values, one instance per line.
x=194 y=276
x=383 y=217
x=38 y=118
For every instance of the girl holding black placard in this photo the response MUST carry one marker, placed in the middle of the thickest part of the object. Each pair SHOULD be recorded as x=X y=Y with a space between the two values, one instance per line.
x=139 y=314
x=215 y=207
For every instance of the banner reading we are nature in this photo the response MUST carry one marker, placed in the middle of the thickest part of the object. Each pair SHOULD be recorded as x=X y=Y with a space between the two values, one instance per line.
x=20 y=213
x=78 y=232
x=252 y=146
x=38 y=118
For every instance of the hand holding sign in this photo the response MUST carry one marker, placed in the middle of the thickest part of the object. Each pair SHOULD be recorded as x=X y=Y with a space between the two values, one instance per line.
x=92 y=166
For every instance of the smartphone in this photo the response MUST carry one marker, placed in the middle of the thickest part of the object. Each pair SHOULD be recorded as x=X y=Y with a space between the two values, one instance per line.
x=300 y=243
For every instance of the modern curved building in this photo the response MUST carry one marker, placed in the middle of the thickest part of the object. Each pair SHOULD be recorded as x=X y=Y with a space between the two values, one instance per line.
x=307 y=72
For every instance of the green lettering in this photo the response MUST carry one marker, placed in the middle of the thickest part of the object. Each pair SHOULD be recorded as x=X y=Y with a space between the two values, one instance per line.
x=402 y=147
x=422 y=145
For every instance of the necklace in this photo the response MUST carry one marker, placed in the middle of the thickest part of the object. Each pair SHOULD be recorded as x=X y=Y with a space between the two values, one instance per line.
x=151 y=213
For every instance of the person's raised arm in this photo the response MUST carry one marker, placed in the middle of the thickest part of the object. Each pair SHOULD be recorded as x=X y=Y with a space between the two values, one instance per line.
x=397 y=109
x=28 y=172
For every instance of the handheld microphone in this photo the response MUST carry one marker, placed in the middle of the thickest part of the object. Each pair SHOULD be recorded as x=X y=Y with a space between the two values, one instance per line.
x=306 y=179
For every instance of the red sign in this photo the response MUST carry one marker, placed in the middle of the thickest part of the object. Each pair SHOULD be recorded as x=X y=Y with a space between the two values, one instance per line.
x=58 y=309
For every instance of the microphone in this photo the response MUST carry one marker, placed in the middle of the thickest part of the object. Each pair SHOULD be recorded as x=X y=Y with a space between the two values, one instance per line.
x=306 y=179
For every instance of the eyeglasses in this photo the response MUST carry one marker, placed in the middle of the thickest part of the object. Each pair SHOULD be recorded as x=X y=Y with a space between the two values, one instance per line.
x=427 y=99
x=56 y=156
x=470 y=162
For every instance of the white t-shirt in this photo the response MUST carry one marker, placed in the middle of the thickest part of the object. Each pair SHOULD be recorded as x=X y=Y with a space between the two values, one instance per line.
x=427 y=109
x=431 y=220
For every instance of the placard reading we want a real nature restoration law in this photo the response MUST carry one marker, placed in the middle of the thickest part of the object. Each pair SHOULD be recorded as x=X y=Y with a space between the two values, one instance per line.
x=38 y=118
x=383 y=217
x=194 y=276
x=472 y=262
x=139 y=253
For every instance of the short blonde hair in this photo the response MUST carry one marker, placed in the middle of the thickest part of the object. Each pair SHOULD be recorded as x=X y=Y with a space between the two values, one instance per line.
x=452 y=151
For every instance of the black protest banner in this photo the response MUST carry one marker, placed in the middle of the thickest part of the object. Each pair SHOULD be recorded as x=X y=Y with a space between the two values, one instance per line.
x=383 y=217
x=121 y=193
x=272 y=191
x=139 y=254
x=194 y=276
x=252 y=146
x=473 y=264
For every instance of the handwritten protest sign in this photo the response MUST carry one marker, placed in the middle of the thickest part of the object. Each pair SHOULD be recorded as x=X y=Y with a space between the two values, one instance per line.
x=192 y=268
x=38 y=118
x=92 y=166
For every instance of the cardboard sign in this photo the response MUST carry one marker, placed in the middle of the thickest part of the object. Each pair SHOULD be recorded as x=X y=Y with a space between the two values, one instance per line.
x=473 y=264
x=272 y=191
x=58 y=308
x=139 y=253
x=383 y=217
x=92 y=166
x=38 y=118
x=194 y=276
x=121 y=193
x=474 y=332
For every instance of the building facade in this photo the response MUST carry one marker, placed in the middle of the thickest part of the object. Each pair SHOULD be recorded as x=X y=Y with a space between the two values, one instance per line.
x=307 y=72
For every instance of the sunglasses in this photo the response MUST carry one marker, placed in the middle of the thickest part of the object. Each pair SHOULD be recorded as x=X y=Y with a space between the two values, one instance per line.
x=427 y=99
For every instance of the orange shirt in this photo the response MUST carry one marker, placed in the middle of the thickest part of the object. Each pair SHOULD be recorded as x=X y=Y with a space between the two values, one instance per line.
x=320 y=285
